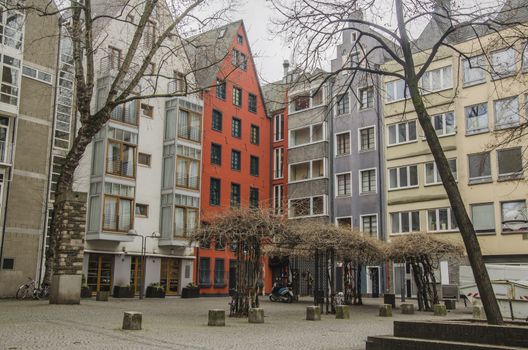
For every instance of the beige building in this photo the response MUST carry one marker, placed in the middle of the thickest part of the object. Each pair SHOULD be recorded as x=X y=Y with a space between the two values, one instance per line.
x=473 y=108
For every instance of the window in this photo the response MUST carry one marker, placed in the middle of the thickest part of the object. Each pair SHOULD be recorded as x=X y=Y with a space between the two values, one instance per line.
x=147 y=111
x=240 y=39
x=278 y=163
x=235 y=195
x=205 y=272
x=8 y=264
x=255 y=134
x=121 y=159
x=354 y=60
x=236 y=128
x=343 y=144
x=525 y=58
x=216 y=154
x=403 y=177
x=444 y=124
x=221 y=89
x=307 y=206
x=441 y=220
x=36 y=74
x=405 y=222
x=237 y=96
x=368 y=181
x=343 y=185
x=483 y=217
x=300 y=102
x=214 y=192
x=474 y=70
x=437 y=79
x=317 y=97
x=253 y=197
x=396 y=90
x=235 y=160
x=114 y=57
x=278 y=127
x=367 y=139
x=306 y=135
x=252 y=103
x=503 y=63
x=239 y=59
x=149 y=34
x=514 y=216
x=142 y=210
x=343 y=104
x=187 y=173
x=345 y=222
x=189 y=126
x=479 y=168
x=307 y=170
x=366 y=98
x=126 y=113
x=432 y=176
x=476 y=118
x=117 y=214
x=12 y=28
x=510 y=163
x=369 y=224
x=253 y=166
x=217 y=120
x=402 y=132
x=219 y=272
x=278 y=199
x=144 y=159
x=506 y=113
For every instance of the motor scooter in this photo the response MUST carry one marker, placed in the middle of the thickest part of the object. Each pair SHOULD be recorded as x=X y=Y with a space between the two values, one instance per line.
x=281 y=293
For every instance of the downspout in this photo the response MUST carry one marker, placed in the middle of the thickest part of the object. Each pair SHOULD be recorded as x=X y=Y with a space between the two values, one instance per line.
x=50 y=158
x=330 y=118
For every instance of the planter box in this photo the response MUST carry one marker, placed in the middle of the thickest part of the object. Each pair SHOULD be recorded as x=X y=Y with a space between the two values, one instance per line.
x=153 y=292
x=190 y=292
x=86 y=292
x=123 y=292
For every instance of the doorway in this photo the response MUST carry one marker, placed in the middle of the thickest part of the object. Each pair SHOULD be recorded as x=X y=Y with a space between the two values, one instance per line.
x=373 y=281
x=170 y=275
x=232 y=274
x=100 y=271
x=136 y=269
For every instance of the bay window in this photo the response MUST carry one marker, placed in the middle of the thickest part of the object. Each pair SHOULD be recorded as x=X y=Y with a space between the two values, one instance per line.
x=187 y=173
x=189 y=126
x=121 y=159
x=185 y=221
x=117 y=213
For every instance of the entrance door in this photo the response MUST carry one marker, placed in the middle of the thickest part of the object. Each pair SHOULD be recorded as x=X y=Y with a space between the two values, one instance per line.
x=232 y=274
x=100 y=268
x=170 y=275
x=373 y=281
x=136 y=269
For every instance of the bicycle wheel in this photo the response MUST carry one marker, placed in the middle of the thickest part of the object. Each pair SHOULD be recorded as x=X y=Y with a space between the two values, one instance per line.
x=23 y=291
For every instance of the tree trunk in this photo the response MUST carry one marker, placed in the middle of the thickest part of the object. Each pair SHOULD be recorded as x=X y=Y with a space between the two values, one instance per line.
x=467 y=230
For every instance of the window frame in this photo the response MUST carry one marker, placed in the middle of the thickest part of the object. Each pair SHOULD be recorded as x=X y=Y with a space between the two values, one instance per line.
x=251 y=108
x=219 y=182
x=118 y=203
x=470 y=66
x=366 y=193
x=278 y=163
x=336 y=138
x=311 y=142
x=213 y=160
x=503 y=125
x=466 y=119
x=443 y=116
x=361 y=225
x=410 y=217
x=251 y=165
x=346 y=195
x=237 y=96
x=234 y=196
x=218 y=115
x=436 y=175
x=310 y=170
x=503 y=230
x=398 y=142
x=342 y=106
x=366 y=89
x=121 y=149
x=311 y=198
x=254 y=134
x=233 y=152
x=360 y=143
x=479 y=179
x=239 y=121
x=278 y=135
x=398 y=177
x=450 y=220
x=487 y=230
x=513 y=175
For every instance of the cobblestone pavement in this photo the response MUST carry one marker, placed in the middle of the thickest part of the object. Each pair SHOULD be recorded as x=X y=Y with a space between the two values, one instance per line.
x=175 y=323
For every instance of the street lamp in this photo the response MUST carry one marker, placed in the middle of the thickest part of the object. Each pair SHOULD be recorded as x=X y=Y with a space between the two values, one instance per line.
x=134 y=233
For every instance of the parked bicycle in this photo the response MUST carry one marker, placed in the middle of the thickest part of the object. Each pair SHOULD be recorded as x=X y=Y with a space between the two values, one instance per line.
x=31 y=289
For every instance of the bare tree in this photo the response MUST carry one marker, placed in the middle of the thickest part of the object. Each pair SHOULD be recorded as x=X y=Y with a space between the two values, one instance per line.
x=314 y=28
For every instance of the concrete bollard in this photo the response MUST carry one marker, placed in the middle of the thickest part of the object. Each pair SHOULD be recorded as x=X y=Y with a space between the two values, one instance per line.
x=132 y=320
x=256 y=315
x=407 y=309
x=313 y=313
x=342 y=312
x=216 y=318
x=385 y=310
x=478 y=312
x=439 y=310
x=102 y=296
x=450 y=304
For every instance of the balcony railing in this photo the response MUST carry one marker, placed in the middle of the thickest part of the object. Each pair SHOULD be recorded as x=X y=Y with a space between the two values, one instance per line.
x=120 y=168
x=5 y=152
x=192 y=133
x=192 y=182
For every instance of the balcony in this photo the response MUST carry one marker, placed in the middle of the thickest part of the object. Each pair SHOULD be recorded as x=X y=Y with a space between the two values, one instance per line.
x=192 y=133
x=191 y=182
x=120 y=168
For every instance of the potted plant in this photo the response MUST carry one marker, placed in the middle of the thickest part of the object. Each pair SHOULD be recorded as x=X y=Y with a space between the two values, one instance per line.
x=86 y=291
x=155 y=290
x=123 y=292
x=190 y=291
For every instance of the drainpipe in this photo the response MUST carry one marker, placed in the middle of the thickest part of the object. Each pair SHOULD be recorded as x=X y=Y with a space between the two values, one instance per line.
x=329 y=133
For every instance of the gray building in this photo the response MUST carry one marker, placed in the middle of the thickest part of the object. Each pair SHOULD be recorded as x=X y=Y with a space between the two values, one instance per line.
x=357 y=159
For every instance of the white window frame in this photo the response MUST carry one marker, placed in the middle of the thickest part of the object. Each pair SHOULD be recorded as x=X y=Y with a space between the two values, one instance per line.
x=360 y=98
x=325 y=170
x=399 y=187
x=444 y=124
x=349 y=144
x=480 y=179
x=311 y=142
x=377 y=223
x=466 y=119
x=398 y=142
x=336 y=187
x=325 y=207
x=476 y=66
x=498 y=74
x=278 y=159
x=502 y=215
x=361 y=193
x=278 y=209
x=393 y=84
x=344 y=217
x=513 y=175
x=450 y=218
x=308 y=93
x=409 y=213
x=349 y=105
x=278 y=136
x=485 y=231
x=436 y=175
x=443 y=80
x=38 y=73
x=375 y=139
x=517 y=113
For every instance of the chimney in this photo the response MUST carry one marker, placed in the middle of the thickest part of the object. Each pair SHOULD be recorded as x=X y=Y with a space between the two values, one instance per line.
x=286 y=68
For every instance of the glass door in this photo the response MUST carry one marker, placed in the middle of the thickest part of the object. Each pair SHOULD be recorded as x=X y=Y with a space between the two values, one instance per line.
x=136 y=269
x=170 y=275
x=100 y=272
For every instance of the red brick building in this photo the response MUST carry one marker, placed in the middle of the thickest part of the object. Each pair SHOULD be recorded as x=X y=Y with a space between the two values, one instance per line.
x=236 y=163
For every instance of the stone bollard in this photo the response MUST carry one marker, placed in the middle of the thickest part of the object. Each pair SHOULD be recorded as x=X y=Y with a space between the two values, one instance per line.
x=313 y=313
x=385 y=310
x=342 y=312
x=132 y=320
x=478 y=312
x=450 y=304
x=439 y=310
x=256 y=315
x=102 y=296
x=216 y=318
x=407 y=309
